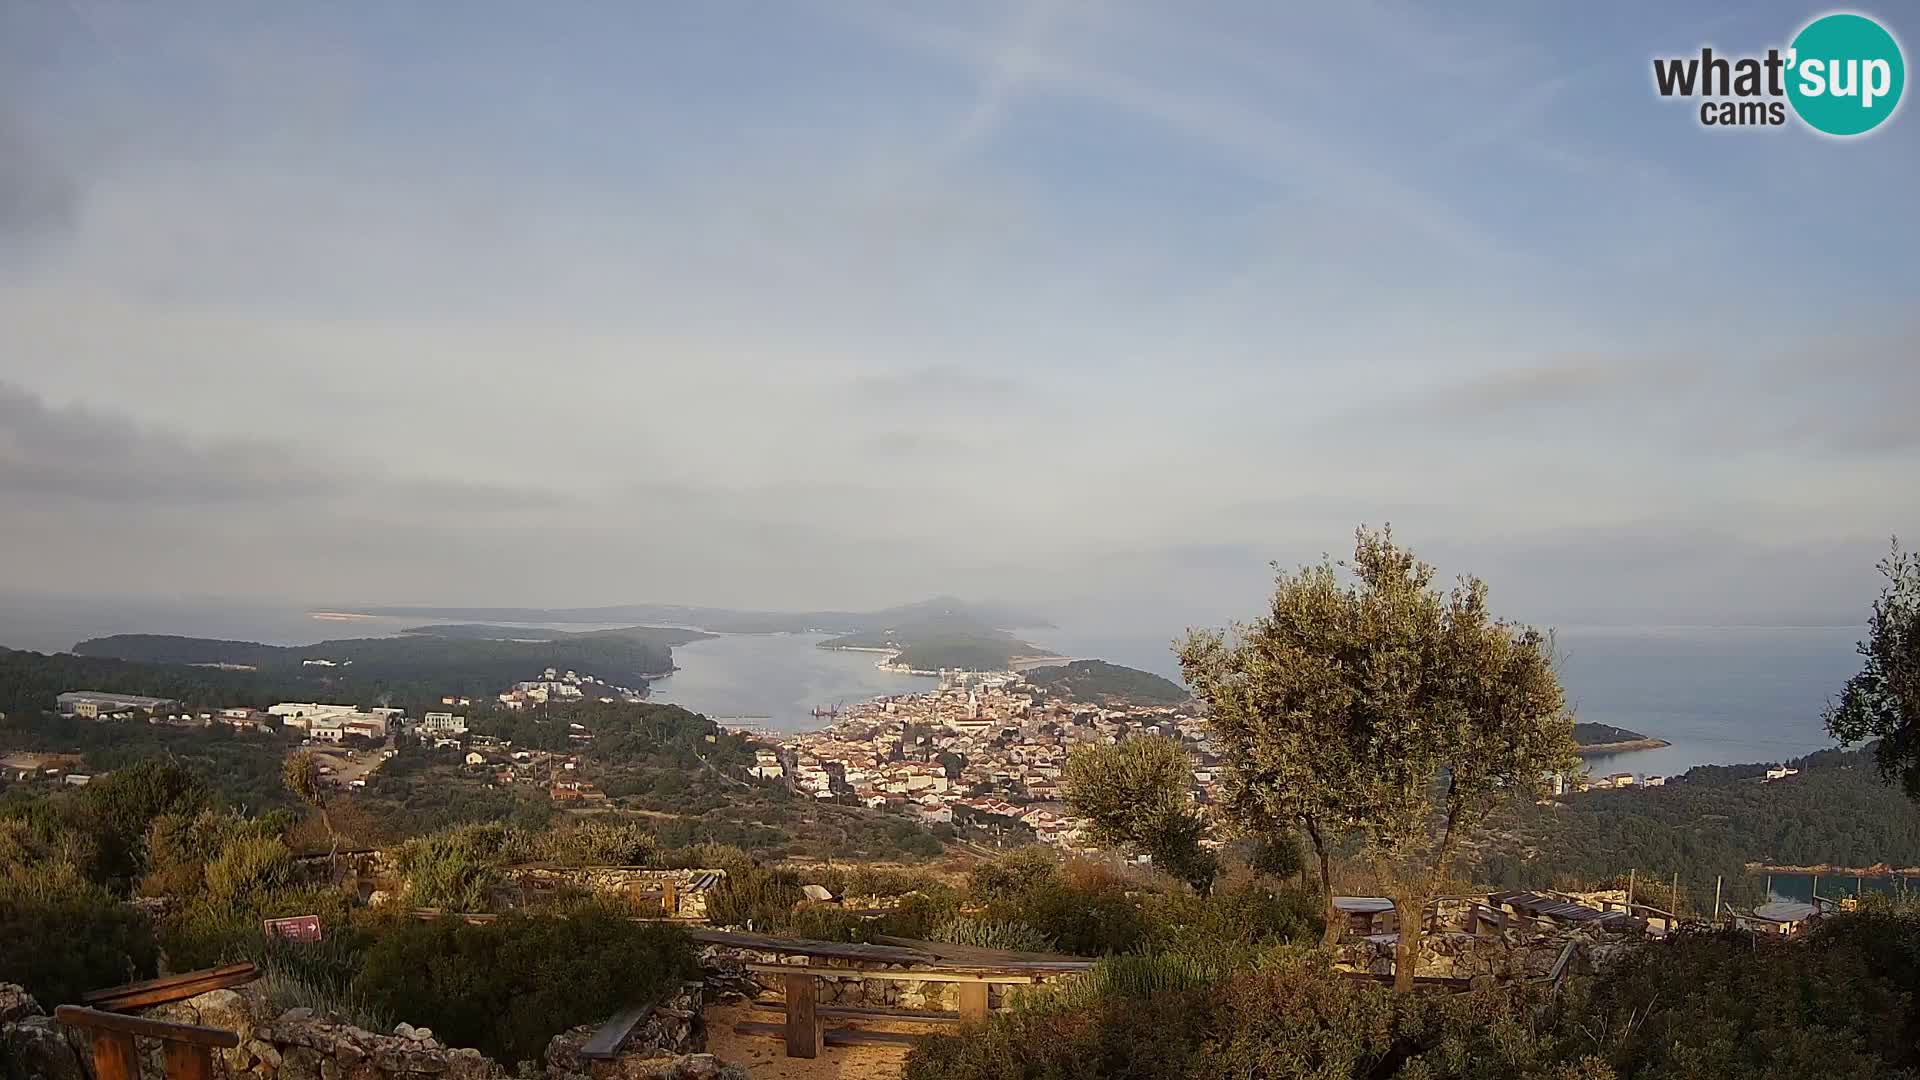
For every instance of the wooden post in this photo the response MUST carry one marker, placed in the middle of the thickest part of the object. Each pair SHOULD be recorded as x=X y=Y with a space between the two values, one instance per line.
x=669 y=899
x=1813 y=897
x=803 y=1019
x=973 y=1002
x=1716 y=898
x=1676 y=900
x=1630 y=874
x=189 y=1061
x=114 y=1057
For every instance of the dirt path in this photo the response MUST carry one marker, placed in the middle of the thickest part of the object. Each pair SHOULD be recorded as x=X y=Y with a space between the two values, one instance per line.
x=766 y=1057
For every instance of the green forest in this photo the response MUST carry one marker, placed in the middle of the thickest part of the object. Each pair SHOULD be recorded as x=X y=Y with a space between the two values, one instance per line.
x=1099 y=682
x=411 y=668
x=1710 y=823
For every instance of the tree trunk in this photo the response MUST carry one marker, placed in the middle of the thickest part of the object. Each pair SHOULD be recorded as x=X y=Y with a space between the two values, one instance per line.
x=1336 y=922
x=1406 y=955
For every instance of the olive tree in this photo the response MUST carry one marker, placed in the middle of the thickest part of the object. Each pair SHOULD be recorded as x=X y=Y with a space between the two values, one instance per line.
x=1136 y=794
x=1369 y=704
x=1883 y=701
x=302 y=777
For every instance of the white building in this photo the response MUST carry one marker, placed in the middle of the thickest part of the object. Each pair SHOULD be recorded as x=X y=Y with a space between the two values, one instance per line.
x=443 y=724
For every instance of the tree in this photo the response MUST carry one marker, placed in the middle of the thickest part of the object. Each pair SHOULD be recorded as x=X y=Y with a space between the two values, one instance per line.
x=1382 y=708
x=1883 y=700
x=302 y=777
x=1136 y=794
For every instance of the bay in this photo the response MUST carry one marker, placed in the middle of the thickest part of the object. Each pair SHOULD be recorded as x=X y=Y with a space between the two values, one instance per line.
x=1719 y=695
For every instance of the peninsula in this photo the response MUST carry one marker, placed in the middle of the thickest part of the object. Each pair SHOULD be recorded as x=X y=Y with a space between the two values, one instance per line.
x=1607 y=739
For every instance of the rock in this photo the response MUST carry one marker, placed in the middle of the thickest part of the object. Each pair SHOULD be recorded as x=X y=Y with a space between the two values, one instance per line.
x=37 y=1046
x=16 y=1004
x=818 y=893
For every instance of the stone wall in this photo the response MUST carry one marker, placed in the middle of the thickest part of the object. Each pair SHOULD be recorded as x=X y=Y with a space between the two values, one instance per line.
x=295 y=1044
x=727 y=975
x=33 y=1046
x=617 y=881
x=1515 y=954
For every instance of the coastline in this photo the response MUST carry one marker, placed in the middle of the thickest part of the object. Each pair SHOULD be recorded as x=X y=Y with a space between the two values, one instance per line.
x=1881 y=870
x=1621 y=747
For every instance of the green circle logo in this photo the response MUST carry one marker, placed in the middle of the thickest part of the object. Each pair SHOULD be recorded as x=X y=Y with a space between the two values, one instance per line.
x=1845 y=74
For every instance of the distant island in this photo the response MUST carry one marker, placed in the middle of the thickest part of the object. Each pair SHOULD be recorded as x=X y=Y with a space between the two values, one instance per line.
x=427 y=661
x=1098 y=682
x=1607 y=739
x=941 y=634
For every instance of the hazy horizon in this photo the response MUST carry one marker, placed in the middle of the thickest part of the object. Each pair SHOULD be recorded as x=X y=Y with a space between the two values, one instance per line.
x=1081 y=307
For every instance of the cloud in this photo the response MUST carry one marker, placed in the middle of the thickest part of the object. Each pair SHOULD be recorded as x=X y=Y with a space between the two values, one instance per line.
x=82 y=455
x=936 y=386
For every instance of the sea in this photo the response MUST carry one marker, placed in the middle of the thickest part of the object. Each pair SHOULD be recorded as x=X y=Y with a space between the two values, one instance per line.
x=1718 y=695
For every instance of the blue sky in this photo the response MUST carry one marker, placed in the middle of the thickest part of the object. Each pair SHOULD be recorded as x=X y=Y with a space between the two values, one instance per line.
x=844 y=302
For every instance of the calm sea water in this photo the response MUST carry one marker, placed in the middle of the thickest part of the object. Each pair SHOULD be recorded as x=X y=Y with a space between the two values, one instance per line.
x=1719 y=695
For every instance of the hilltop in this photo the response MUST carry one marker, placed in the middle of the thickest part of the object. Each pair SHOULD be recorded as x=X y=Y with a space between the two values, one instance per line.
x=423 y=664
x=942 y=633
x=1099 y=682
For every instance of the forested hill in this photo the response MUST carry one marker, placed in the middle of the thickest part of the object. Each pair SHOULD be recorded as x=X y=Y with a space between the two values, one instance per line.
x=929 y=638
x=413 y=667
x=1712 y=821
x=1101 y=682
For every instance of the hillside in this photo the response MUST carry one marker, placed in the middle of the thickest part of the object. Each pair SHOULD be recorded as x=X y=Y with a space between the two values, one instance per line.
x=1595 y=738
x=930 y=637
x=1710 y=822
x=415 y=666
x=1100 y=682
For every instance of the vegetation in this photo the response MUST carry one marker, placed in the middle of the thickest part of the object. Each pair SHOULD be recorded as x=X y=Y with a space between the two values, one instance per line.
x=1136 y=794
x=1711 y=822
x=1883 y=701
x=414 y=669
x=931 y=637
x=1103 y=683
x=1383 y=708
x=1603 y=735
x=1701 y=1006
x=508 y=986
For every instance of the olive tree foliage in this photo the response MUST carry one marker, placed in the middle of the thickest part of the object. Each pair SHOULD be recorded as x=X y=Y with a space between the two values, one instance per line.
x=1369 y=705
x=1883 y=701
x=1136 y=794
x=303 y=779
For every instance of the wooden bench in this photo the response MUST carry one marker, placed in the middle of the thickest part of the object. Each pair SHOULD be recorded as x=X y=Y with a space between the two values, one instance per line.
x=188 y=1047
x=170 y=988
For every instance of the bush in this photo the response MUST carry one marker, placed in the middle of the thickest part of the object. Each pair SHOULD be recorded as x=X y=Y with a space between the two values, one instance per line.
x=61 y=935
x=1702 y=1006
x=755 y=897
x=991 y=934
x=508 y=986
x=457 y=869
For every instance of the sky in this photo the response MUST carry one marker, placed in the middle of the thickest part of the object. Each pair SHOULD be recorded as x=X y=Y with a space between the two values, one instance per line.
x=1096 y=307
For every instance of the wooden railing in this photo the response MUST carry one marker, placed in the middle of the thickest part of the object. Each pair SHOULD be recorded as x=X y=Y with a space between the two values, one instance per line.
x=188 y=1048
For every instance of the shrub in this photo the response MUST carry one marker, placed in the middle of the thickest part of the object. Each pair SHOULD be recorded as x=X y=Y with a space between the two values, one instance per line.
x=992 y=934
x=61 y=935
x=754 y=897
x=507 y=986
x=457 y=869
x=1014 y=874
x=598 y=843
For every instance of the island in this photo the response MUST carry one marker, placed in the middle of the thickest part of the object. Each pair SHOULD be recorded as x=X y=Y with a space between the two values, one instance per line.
x=1607 y=739
x=1100 y=683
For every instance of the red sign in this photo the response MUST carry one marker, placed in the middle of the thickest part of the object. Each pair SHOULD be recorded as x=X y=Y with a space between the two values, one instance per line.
x=296 y=928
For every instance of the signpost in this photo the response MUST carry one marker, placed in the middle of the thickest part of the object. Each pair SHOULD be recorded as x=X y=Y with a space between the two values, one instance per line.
x=294 y=928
